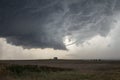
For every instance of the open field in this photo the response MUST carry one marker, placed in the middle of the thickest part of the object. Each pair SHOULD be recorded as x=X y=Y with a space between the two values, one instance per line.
x=59 y=70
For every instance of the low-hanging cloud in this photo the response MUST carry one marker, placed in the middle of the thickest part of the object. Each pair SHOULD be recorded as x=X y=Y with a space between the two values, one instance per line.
x=45 y=23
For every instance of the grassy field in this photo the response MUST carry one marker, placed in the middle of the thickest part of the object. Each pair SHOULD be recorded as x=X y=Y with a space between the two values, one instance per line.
x=60 y=70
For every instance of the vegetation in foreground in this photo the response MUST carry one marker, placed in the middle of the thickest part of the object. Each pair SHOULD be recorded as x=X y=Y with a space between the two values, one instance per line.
x=34 y=72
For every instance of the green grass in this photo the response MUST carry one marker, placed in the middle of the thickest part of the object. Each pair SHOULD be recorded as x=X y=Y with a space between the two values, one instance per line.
x=34 y=72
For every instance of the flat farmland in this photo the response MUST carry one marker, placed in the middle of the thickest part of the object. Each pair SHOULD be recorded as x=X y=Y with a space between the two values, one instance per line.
x=72 y=64
x=60 y=69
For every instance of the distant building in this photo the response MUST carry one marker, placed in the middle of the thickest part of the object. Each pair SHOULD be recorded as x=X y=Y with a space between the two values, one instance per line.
x=55 y=58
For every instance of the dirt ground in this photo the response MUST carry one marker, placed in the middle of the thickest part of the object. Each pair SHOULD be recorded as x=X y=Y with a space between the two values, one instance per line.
x=59 y=70
x=82 y=65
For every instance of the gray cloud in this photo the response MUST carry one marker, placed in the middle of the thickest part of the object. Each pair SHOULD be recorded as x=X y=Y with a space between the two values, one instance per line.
x=44 y=23
x=1 y=52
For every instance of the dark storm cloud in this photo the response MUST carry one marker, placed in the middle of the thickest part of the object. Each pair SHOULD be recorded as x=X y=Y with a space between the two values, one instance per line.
x=44 y=23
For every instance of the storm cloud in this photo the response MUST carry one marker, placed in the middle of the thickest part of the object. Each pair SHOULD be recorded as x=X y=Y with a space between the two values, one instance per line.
x=45 y=23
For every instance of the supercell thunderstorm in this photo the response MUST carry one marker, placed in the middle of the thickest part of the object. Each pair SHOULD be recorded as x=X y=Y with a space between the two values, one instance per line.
x=45 y=23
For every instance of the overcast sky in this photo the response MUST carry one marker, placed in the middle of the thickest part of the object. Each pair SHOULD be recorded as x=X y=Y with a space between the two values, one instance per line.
x=67 y=29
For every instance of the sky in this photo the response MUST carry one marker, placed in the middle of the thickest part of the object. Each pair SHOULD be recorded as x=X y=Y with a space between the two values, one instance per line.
x=67 y=29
